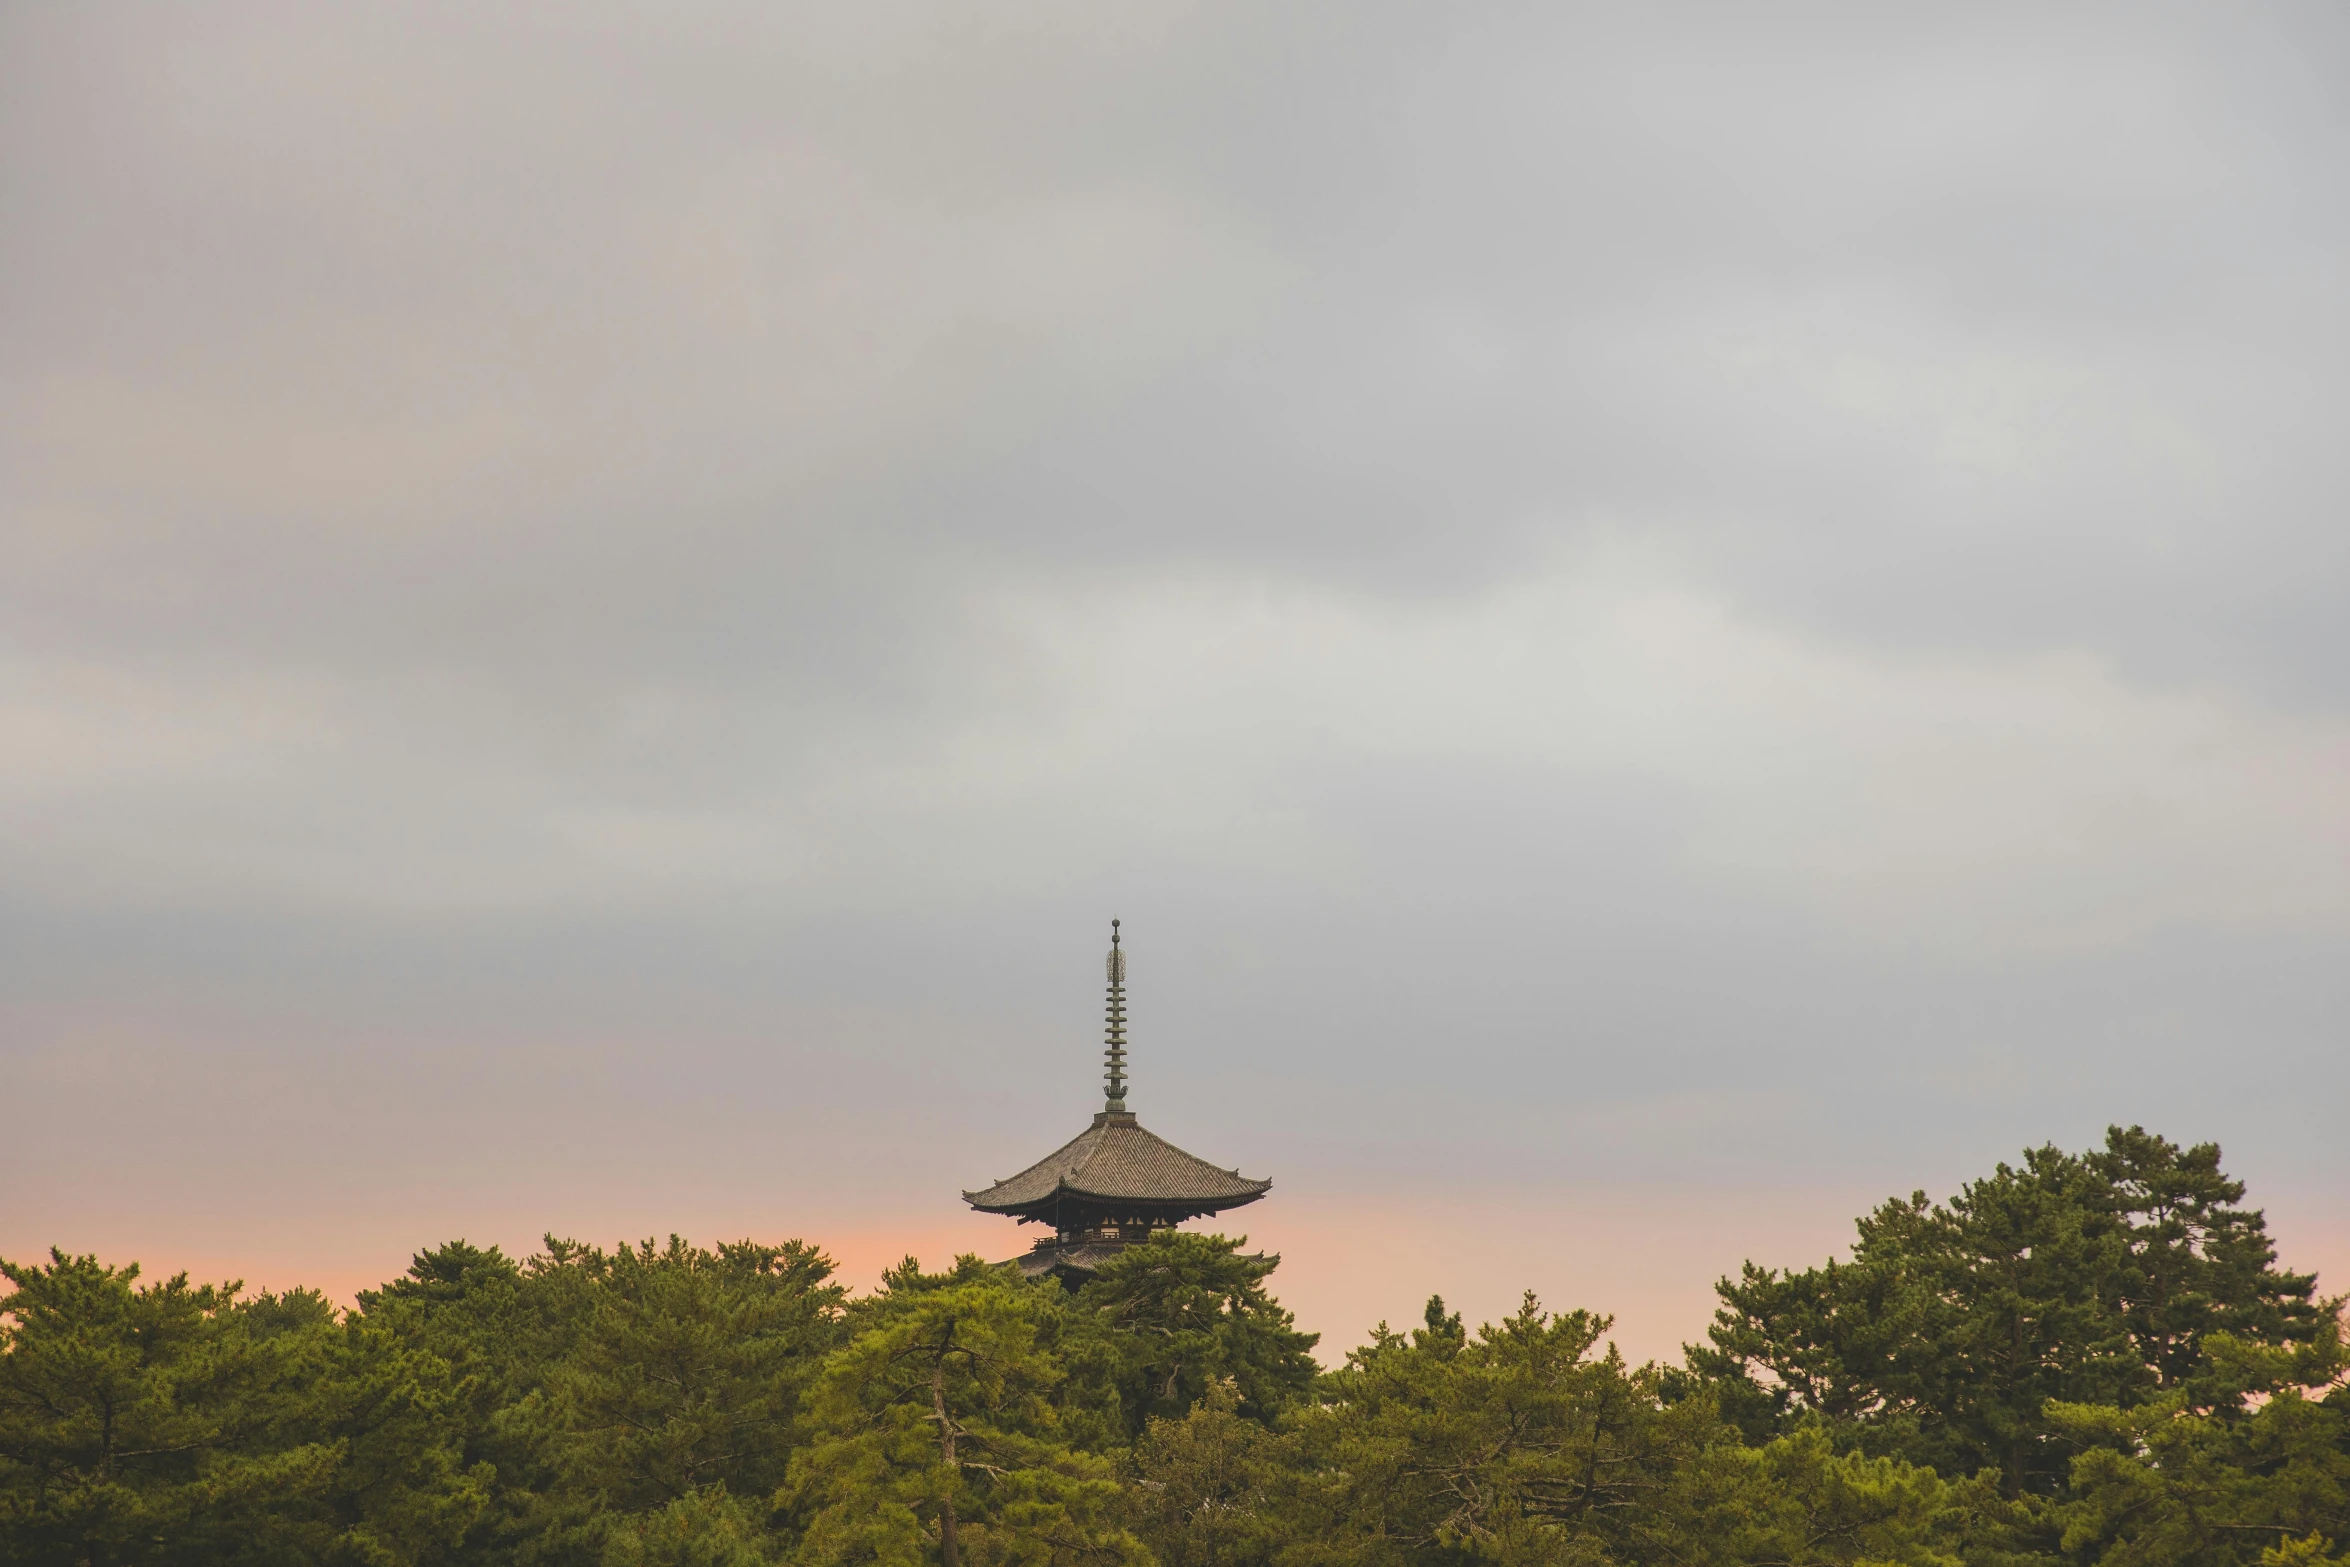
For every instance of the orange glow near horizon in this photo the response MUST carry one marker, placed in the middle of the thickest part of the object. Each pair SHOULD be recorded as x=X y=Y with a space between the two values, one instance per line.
x=1647 y=1258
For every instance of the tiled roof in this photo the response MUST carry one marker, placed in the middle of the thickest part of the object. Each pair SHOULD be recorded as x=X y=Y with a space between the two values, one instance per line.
x=1116 y=1159
x=1078 y=1257
x=1082 y=1257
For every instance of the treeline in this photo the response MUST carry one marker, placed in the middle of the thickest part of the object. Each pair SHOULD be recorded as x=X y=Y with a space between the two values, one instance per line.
x=2087 y=1358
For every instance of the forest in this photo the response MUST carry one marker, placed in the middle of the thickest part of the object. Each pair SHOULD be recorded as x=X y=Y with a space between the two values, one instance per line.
x=2087 y=1358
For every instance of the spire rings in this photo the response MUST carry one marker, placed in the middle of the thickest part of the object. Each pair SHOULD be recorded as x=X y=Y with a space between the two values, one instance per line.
x=1114 y=1029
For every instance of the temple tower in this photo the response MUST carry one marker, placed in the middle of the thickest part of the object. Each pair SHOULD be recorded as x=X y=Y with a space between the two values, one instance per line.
x=1113 y=1182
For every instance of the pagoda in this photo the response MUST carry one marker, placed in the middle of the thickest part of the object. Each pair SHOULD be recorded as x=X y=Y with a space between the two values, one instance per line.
x=1113 y=1182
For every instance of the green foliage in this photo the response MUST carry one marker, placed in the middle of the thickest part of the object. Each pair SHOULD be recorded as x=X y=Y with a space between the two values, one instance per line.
x=936 y=1436
x=2169 y=1484
x=1522 y=1443
x=170 y=1423
x=2083 y=1361
x=1185 y=1312
x=1797 y=1501
x=624 y=1400
x=706 y=1528
x=684 y=1370
x=2093 y=1279
x=1210 y=1488
x=1516 y=1444
x=478 y=1313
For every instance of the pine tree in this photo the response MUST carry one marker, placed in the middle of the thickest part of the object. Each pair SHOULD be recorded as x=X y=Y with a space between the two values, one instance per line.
x=2090 y=1279
x=1182 y=1312
x=176 y=1423
x=935 y=1437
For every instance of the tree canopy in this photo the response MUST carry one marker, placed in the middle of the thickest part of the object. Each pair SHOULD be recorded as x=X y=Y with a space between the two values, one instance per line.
x=2080 y=1360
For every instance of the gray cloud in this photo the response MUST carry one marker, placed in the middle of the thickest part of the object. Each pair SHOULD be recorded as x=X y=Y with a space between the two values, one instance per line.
x=1621 y=596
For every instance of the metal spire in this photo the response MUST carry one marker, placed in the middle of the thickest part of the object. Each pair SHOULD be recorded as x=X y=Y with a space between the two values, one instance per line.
x=1114 y=1032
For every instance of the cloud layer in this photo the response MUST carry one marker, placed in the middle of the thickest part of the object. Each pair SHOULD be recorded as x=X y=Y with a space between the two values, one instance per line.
x=597 y=603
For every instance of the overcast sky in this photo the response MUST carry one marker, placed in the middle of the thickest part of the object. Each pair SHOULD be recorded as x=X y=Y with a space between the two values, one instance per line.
x=1662 y=621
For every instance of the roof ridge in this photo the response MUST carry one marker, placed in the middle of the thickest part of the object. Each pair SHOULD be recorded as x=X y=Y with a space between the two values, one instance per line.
x=1119 y=1159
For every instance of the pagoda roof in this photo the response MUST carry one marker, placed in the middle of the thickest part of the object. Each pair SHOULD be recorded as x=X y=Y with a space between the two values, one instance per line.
x=1115 y=1160
x=1082 y=1259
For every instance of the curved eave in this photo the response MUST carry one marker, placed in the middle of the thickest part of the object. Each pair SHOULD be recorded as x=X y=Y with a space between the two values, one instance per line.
x=1042 y=1209
x=1118 y=1161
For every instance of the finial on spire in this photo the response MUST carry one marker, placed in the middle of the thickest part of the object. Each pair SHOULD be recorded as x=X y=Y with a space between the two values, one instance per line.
x=1114 y=1032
